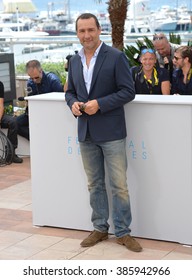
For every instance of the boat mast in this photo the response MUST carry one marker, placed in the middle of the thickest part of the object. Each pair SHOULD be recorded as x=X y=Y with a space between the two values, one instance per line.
x=134 y=19
x=69 y=10
x=17 y=16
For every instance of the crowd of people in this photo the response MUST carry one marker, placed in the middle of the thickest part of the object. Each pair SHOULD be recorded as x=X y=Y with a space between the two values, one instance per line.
x=96 y=94
x=166 y=69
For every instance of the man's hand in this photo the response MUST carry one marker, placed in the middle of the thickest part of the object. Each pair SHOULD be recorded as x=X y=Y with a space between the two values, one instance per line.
x=76 y=108
x=91 y=107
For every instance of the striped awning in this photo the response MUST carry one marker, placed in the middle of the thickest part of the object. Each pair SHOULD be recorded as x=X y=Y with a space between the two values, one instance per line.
x=21 y=6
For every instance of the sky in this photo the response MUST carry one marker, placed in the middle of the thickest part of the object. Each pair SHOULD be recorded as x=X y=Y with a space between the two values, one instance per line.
x=74 y=4
x=82 y=5
x=91 y=5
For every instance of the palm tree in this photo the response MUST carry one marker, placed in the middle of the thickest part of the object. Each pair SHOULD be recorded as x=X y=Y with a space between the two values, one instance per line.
x=117 y=14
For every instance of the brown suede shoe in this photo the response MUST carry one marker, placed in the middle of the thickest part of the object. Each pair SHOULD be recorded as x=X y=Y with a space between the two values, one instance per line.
x=94 y=237
x=130 y=243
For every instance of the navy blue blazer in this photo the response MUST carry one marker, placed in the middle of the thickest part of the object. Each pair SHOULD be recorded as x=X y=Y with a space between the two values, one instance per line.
x=112 y=86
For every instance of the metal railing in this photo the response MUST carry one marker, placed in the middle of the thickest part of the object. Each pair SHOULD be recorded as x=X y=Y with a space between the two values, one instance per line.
x=21 y=46
x=42 y=47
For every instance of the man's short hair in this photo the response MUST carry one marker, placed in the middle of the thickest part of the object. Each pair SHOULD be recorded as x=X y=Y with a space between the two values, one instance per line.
x=88 y=16
x=33 y=64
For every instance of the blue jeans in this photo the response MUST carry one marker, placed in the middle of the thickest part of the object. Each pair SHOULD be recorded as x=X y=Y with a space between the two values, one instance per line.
x=95 y=157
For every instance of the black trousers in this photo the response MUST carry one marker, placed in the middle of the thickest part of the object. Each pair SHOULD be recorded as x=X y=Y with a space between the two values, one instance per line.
x=10 y=122
x=23 y=125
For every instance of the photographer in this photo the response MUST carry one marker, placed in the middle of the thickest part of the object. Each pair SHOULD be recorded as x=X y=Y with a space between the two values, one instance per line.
x=40 y=82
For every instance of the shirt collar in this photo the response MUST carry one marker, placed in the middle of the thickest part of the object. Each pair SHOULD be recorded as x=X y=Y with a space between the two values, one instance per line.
x=82 y=53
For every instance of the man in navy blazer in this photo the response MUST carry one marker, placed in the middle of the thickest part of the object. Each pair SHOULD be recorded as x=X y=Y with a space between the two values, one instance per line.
x=99 y=85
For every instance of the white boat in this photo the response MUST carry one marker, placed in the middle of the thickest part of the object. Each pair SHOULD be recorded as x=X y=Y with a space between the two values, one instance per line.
x=31 y=33
x=140 y=19
x=163 y=19
x=184 y=23
x=7 y=32
x=138 y=16
x=163 y=23
x=34 y=48
x=184 y=16
x=4 y=48
x=69 y=29
x=137 y=27
x=171 y=19
x=50 y=27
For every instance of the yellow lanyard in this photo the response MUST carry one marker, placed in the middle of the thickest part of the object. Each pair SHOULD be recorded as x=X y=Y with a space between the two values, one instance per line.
x=154 y=74
x=189 y=75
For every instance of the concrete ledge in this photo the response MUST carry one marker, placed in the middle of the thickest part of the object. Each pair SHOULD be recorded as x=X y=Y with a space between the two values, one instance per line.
x=23 y=148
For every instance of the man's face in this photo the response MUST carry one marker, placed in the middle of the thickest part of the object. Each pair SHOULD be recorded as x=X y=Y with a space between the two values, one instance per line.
x=88 y=33
x=148 y=61
x=35 y=74
x=162 y=47
x=178 y=60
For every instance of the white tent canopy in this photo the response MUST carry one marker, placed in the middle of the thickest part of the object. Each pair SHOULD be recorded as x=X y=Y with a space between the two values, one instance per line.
x=21 y=6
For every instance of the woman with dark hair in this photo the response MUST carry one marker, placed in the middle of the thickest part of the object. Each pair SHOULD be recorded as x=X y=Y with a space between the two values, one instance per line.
x=182 y=75
x=148 y=78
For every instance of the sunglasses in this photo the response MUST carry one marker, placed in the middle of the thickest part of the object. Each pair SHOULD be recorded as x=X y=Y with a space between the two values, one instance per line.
x=155 y=38
x=177 y=58
x=147 y=51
